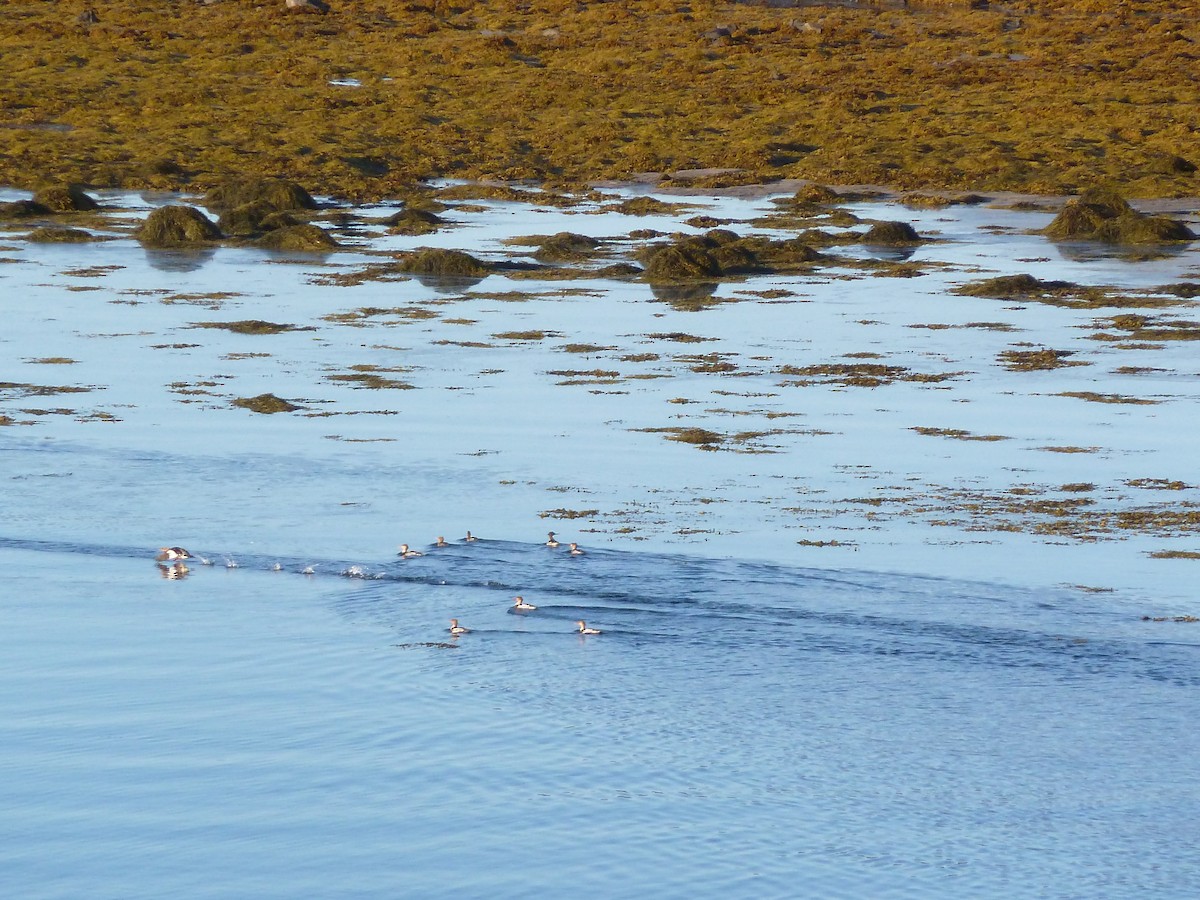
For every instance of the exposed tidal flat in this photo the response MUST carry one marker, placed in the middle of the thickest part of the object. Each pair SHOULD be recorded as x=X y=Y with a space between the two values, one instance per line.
x=1047 y=97
x=889 y=508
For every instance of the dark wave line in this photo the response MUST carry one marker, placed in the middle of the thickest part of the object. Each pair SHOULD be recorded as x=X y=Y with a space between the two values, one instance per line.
x=638 y=591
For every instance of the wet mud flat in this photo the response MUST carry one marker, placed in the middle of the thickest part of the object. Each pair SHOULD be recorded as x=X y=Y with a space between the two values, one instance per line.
x=834 y=376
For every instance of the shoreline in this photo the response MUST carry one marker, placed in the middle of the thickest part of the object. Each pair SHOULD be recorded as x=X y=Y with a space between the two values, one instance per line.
x=677 y=185
x=680 y=184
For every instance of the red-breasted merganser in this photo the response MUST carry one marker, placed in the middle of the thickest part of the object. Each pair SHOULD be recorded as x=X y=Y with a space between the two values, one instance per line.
x=171 y=553
x=405 y=553
x=470 y=537
x=520 y=605
x=550 y=541
x=583 y=629
x=456 y=629
x=575 y=551
x=441 y=542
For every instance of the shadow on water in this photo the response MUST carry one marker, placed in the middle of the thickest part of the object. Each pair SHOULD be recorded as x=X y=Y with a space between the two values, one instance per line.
x=731 y=604
x=688 y=296
x=1095 y=251
x=180 y=260
x=449 y=284
x=890 y=252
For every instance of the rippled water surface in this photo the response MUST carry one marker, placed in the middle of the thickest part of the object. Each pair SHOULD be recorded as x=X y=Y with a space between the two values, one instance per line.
x=793 y=695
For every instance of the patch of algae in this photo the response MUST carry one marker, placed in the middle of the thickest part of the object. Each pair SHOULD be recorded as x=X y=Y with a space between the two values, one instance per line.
x=376 y=95
x=265 y=403
x=1038 y=510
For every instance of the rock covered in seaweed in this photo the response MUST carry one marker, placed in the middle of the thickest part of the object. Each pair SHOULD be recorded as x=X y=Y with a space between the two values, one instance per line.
x=1009 y=286
x=56 y=234
x=1102 y=214
x=721 y=252
x=253 y=218
x=892 y=234
x=66 y=198
x=303 y=238
x=173 y=226
x=445 y=263
x=24 y=209
x=698 y=257
x=566 y=246
x=413 y=221
x=275 y=194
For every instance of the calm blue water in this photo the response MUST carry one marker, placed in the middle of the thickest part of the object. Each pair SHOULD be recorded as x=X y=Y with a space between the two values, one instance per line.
x=795 y=694
x=739 y=729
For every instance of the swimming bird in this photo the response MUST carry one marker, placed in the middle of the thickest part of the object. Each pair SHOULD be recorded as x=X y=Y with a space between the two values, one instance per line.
x=456 y=629
x=170 y=553
x=520 y=605
x=575 y=551
x=405 y=553
x=550 y=541
x=441 y=542
x=583 y=629
x=470 y=537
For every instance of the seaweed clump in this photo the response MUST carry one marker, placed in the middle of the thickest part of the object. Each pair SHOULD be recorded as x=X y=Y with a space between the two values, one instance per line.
x=66 y=198
x=23 y=209
x=565 y=246
x=1037 y=360
x=265 y=403
x=310 y=238
x=691 y=258
x=252 y=219
x=446 y=263
x=1151 y=328
x=413 y=221
x=702 y=438
x=1102 y=214
x=1006 y=287
x=699 y=257
x=276 y=194
x=848 y=374
x=252 y=326
x=812 y=195
x=171 y=226
x=892 y=234
x=56 y=234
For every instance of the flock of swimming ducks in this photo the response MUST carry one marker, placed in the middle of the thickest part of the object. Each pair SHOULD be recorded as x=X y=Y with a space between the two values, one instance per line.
x=519 y=604
x=177 y=569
